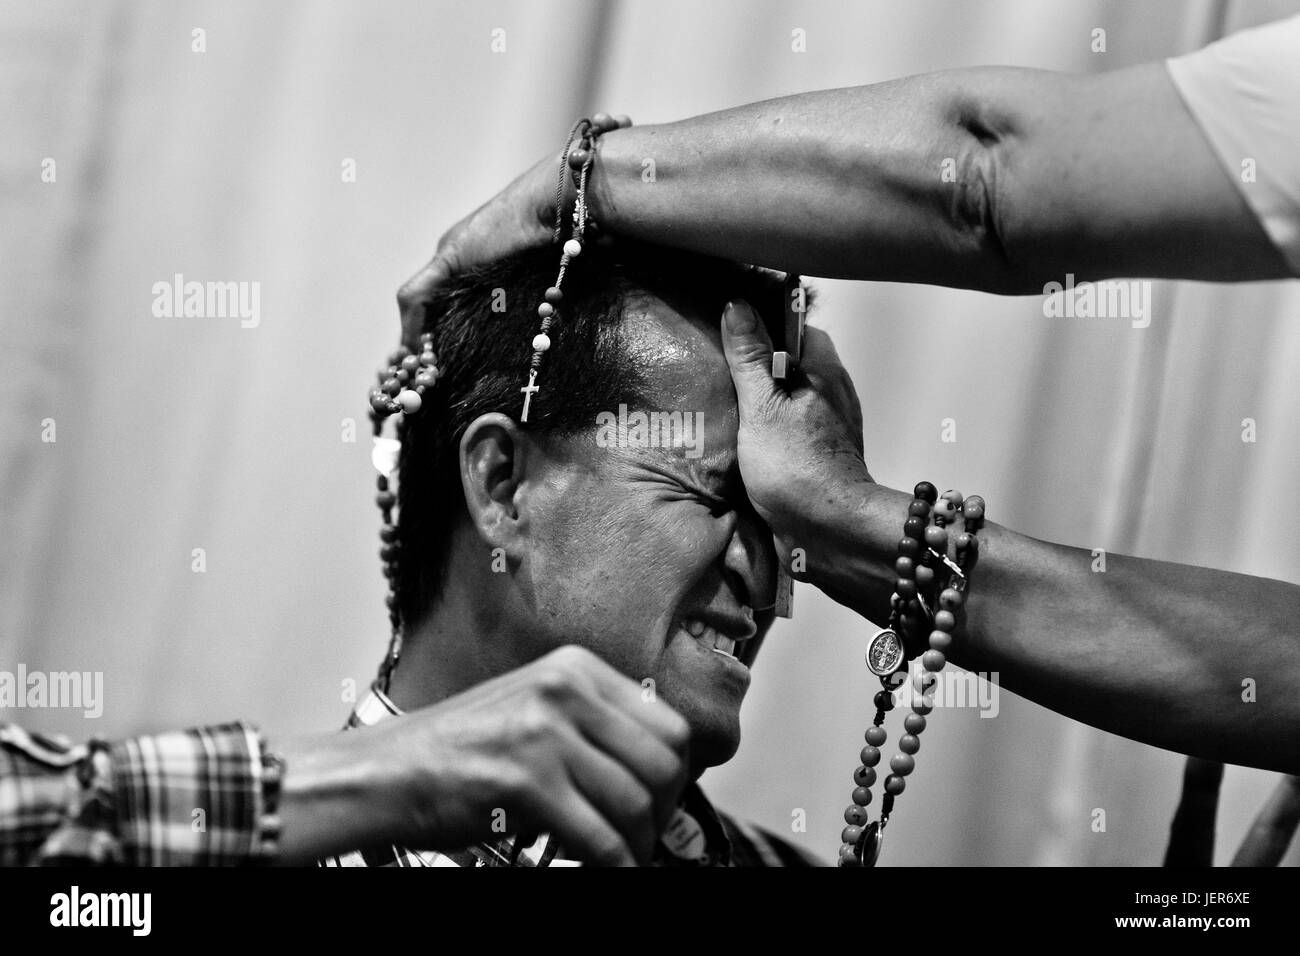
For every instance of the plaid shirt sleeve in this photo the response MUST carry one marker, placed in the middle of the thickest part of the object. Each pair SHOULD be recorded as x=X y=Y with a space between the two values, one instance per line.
x=187 y=798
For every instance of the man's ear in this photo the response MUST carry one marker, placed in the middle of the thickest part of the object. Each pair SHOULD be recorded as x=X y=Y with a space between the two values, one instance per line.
x=495 y=454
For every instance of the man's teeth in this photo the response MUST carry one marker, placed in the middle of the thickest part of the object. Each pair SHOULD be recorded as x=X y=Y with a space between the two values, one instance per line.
x=718 y=642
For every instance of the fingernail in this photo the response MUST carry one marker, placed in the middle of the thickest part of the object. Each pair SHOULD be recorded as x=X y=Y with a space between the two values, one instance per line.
x=740 y=317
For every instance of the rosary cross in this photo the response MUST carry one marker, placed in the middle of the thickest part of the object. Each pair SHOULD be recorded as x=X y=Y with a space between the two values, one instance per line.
x=529 y=390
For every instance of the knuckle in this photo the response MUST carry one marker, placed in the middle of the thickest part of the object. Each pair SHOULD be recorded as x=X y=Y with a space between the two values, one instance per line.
x=533 y=722
x=607 y=850
x=554 y=683
x=516 y=786
x=572 y=655
x=677 y=731
x=641 y=809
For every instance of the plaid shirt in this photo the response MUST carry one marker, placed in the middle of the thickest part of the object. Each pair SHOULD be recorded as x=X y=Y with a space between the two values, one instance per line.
x=726 y=840
x=197 y=798
x=187 y=798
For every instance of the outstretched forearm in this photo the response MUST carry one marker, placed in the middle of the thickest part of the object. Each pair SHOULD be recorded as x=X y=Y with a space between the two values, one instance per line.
x=997 y=179
x=1195 y=660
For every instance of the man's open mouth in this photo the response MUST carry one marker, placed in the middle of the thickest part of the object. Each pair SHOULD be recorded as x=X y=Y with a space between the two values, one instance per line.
x=727 y=643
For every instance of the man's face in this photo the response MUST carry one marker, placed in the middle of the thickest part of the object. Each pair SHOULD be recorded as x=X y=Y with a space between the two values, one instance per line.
x=649 y=555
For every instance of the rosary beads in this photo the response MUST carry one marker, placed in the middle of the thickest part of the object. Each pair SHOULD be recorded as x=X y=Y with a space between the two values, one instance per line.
x=578 y=158
x=402 y=387
x=929 y=593
x=408 y=376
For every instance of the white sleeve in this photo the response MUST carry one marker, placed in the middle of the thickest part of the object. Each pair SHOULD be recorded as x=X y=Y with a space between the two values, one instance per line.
x=1244 y=92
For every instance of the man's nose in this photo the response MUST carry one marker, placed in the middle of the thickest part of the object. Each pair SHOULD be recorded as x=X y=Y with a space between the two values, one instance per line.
x=750 y=559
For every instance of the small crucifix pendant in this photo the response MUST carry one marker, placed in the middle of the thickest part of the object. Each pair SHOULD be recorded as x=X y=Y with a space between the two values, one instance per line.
x=529 y=391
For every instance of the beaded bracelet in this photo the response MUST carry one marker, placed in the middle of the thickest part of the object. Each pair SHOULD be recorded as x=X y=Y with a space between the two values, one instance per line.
x=929 y=593
x=577 y=160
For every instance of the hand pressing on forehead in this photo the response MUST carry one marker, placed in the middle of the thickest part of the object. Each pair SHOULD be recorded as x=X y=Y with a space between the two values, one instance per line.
x=800 y=447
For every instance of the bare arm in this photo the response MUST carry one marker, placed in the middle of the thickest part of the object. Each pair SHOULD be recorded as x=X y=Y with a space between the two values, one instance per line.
x=1195 y=660
x=998 y=179
x=1162 y=653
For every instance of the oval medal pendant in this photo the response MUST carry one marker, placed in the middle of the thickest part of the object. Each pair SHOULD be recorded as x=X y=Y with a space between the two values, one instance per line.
x=885 y=653
x=872 y=839
x=684 y=838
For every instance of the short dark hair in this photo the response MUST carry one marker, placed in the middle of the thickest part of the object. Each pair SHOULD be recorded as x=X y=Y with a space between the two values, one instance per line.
x=483 y=323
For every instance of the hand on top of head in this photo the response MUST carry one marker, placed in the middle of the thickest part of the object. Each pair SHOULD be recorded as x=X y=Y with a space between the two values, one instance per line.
x=520 y=217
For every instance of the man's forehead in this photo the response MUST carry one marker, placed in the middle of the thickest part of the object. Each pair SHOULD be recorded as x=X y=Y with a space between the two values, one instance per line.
x=680 y=350
x=714 y=468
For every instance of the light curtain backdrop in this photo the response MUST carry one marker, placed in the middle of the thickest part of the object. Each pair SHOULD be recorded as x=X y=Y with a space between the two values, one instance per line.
x=175 y=434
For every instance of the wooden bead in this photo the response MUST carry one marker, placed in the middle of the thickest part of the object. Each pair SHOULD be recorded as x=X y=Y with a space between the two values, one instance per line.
x=923 y=705
x=864 y=776
x=918 y=509
x=905 y=567
x=909 y=743
x=553 y=295
x=388 y=534
x=541 y=342
x=950 y=599
x=623 y=120
x=870 y=755
x=410 y=364
x=945 y=511
x=386 y=500
x=894 y=785
x=909 y=547
x=861 y=796
x=973 y=509
x=426 y=378
x=914 y=527
x=936 y=538
x=905 y=588
x=572 y=248
x=924 y=577
x=926 y=492
x=901 y=764
x=875 y=736
x=392 y=386
x=940 y=641
x=578 y=158
x=945 y=621
x=952 y=495
x=604 y=122
x=410 y=401
x=849 y=856
x=851 y=834
x=932 y=660
x=883 y=700
x=914 y=724
x=855 y=815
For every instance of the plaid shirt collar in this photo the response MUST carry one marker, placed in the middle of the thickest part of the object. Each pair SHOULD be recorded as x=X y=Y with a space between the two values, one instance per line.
x=695 y=818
